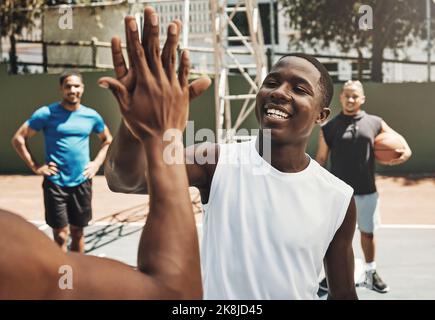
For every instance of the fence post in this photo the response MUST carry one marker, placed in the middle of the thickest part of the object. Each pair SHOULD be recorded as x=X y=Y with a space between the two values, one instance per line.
x=94 y=51
x=44 y=57
x=269 y=54
x=360 y=65
x=13 y=55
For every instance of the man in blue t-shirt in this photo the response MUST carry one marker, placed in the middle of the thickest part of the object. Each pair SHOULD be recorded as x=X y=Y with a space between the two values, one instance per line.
x=68 y=170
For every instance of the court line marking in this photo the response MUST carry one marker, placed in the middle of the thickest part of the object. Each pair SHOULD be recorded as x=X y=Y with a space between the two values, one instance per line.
x=408 y=226
x=43 y=226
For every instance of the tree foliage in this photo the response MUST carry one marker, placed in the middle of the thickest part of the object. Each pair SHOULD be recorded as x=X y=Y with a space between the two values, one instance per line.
x=396 y=24
x=18 y=14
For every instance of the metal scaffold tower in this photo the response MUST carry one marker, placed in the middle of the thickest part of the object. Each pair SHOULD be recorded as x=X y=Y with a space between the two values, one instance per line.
x=248 y=59
x=224 y=37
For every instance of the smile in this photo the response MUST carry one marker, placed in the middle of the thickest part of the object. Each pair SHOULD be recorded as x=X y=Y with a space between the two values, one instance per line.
x=276 y=112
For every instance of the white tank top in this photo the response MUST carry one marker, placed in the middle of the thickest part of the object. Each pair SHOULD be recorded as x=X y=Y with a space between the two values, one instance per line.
x=265 y=232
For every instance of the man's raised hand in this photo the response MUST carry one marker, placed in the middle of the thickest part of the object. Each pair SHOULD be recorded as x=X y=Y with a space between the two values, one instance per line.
x=151 y=96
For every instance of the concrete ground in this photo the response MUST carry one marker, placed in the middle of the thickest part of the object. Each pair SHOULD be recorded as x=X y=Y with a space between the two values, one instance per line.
x=406 y=257
x=405 y=242
x=406 y=262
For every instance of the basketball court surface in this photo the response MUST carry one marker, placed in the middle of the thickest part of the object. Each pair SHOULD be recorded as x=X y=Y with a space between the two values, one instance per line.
x=405 y=242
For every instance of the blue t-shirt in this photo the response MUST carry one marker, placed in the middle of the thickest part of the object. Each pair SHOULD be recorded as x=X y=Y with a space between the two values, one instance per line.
x=66 y=135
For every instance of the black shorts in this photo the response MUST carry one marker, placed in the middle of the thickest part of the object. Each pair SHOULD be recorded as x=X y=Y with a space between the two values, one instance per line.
x=67 y=205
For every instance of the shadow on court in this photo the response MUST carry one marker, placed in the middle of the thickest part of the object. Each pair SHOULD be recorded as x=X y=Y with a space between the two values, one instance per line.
x=115 y=226
x=106 y=235
x=122 y=224
x=414 y=179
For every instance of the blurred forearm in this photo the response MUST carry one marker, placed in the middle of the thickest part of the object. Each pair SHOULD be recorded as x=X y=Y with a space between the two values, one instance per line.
x=125 y=166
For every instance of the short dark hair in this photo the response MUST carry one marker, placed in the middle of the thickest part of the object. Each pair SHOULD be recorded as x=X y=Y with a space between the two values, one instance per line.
x=68 y=73
x=325 y=81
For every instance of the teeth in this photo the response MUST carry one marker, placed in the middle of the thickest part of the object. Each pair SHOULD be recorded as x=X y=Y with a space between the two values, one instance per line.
x=277 y=113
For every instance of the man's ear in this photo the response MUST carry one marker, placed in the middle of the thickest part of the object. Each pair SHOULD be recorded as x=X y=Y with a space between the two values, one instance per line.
x=323 y=115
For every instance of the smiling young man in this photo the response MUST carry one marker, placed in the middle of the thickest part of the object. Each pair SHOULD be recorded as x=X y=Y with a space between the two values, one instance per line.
x=266 y=235
x=266 y=232
x=68 y=170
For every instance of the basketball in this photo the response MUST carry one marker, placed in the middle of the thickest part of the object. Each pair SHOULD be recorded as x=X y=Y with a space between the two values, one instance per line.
x=386 y=144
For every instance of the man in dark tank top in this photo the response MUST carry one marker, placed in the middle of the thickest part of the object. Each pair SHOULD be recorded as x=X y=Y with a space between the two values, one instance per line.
x=349 y=140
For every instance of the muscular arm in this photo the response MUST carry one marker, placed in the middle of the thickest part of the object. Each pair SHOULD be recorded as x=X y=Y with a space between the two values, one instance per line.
x=126 y=164
x=339 y=259
x=19 y=142
x=27 y=272
x=106 y=139
x=406 y=151
x=322 y=150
